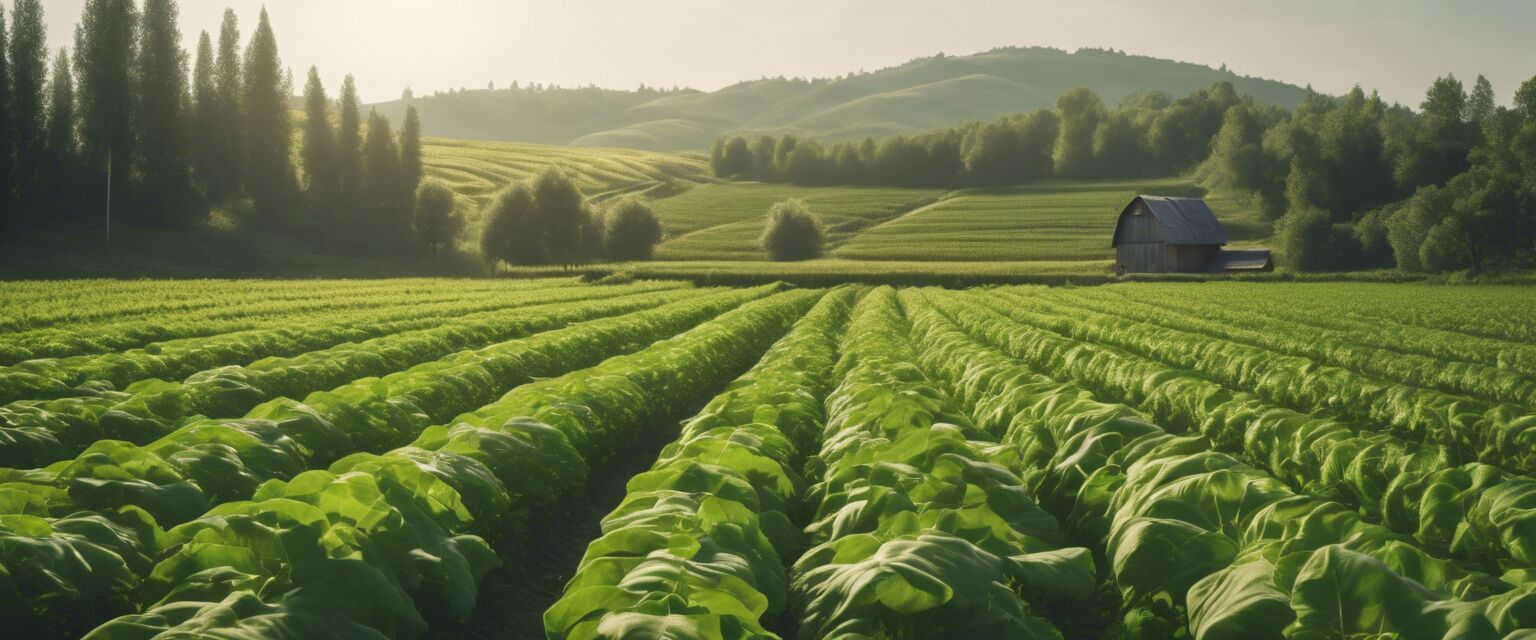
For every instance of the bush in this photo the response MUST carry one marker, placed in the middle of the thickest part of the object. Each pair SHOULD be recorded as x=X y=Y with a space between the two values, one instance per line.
x=511 y=231
x=437 y=223
x=793 y=232
x=631 y=230
x=1308 y=240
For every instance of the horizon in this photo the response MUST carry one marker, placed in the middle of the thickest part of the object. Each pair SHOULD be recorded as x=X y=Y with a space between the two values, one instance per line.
x=1396 y=48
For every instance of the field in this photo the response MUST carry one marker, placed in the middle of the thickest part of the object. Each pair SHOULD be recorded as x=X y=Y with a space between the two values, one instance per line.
x=723 y=221
x=1051 y=221
x=398 y=458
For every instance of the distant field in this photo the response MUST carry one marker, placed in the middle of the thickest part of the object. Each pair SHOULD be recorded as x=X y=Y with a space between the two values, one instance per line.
x=1054 y=221
x=723 y=221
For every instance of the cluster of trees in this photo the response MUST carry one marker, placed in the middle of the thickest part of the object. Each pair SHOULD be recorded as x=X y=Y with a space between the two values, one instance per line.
x=176 y=144
x=547 y=220
x=1148 y=135
x=1359 y=183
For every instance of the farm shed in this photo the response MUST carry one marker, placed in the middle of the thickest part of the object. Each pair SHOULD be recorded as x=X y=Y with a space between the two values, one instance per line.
x=1177 y=235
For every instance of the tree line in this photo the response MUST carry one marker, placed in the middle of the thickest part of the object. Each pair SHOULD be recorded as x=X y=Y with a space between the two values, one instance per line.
x=1148 y=135
x=1351 y=181
x=178 y=142
x=1358 y=183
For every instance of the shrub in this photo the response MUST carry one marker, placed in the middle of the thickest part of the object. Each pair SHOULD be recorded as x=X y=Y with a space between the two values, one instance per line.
x=437 y=223
x=631 y=230
x=1308 y=240
x=792 y=233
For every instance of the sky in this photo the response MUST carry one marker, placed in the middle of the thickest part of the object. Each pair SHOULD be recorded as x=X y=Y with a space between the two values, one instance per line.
x=1395 y=46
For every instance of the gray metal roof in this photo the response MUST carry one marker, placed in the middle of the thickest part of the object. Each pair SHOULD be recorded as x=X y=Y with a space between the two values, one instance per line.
x=1183 y=220
x=1230 y=260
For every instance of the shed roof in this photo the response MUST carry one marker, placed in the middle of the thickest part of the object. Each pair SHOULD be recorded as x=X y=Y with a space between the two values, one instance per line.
x=1182 y=220
x=1229 y=260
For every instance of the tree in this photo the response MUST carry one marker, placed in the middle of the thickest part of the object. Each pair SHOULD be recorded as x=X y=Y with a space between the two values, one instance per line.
x=1118 y=149
x=561 y=214
x=511 y=231
x=1081 y=111
x=437 y=223
x=225 y=150
x=631 y=230
x=1481 y=105
x=382 y=187
x=106 y=97
x=62 y=157
x=205 y=110
x=1308 y=240
x=762 y=158
x=165 y=195
x=28 y=68
x=319 y=147
x=349 y=151
x=1444 y=138
x=9 y=212
x=410 y=154
x=731 y=157
x=792 y=232
x=269 y=177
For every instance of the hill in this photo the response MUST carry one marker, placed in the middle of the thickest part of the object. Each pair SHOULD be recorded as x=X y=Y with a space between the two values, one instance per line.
x=922 y=94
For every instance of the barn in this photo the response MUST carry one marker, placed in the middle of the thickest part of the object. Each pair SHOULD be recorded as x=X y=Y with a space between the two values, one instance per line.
x=1178 y=235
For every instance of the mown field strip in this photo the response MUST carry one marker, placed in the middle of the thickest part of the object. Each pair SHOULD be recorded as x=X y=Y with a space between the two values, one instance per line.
x=1198 y=538
x=36 y=430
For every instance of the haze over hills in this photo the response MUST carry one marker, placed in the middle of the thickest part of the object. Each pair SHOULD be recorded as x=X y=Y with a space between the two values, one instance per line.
x=923 y=94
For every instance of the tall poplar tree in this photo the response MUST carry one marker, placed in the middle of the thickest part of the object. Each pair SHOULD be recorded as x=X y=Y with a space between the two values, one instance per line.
x=382 y=157
x=165 y=194
x=269 y=139
x=104 y=53
x=226 y=148
x=62 y=155
x=410 y=157
x=29 y=68
x=349 y=151
x=204 y=113
x=9 y=212
x=319 y=151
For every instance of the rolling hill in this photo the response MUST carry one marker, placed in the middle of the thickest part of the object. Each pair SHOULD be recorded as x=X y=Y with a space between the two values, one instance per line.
x=926 y=93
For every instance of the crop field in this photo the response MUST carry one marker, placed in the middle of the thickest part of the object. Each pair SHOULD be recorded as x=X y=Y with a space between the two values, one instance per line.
x=723 y=221
x=552 y=458
x=1052 y=221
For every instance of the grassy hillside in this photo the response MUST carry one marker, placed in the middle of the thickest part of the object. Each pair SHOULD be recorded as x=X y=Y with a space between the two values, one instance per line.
x=723 y=221
x=477 y=171
x=1052 y=221
x=923 y=94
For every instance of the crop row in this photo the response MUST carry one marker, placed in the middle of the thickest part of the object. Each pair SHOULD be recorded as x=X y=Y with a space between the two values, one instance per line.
x=1304 y=315
x=1469 y=429
x=380 y=544
x=226 y=461
x=1474 y=512
x=36 y=432
x=123 y=334
x=1484 y=382
x=701 y=541
x=1197 y=537
x=915 y=533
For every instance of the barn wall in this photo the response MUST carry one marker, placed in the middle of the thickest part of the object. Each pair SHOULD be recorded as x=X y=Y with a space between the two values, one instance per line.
x=1140 y=257
x=1188 y=258
x=1141 y=246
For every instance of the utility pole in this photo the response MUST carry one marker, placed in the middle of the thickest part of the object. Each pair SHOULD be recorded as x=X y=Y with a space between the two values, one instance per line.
x=109 y=196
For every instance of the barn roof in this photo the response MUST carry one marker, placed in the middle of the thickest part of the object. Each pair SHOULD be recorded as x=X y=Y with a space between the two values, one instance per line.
x=1231 y=260
x=1182 y=220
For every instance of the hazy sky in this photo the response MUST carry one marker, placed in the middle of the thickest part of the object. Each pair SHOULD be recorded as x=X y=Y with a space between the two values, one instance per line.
x=1396 y=46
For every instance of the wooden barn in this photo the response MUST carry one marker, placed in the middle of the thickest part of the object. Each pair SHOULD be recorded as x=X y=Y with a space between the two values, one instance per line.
x=1178 y=235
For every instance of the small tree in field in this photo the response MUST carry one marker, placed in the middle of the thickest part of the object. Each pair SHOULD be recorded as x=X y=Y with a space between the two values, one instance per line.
x=561 y=212
x=793 y=232
x=511 y=231
x=436 y=222
x=631 y=230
